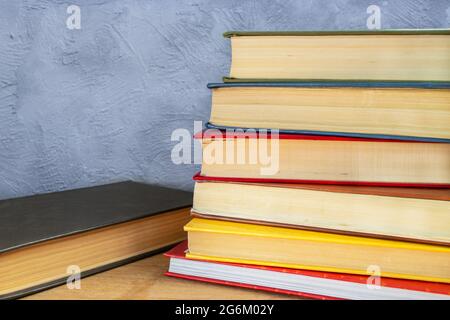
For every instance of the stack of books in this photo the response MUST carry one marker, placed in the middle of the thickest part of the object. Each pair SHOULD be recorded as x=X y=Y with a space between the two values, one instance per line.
x=326 y=167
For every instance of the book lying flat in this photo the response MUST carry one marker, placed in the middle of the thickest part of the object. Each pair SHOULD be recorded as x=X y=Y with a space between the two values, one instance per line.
x=421 y=55
x=300 y=249
x=93 y=229
x=292 y=158
x=303 y=283
x=408 y=214
x=362 y=109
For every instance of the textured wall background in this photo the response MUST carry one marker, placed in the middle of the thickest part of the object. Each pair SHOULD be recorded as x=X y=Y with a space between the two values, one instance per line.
x=91 y=106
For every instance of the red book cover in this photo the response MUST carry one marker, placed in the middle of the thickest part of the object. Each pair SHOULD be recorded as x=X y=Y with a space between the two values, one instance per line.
x=216 y=134
x=421 y=286
x=230 y=134
x=199 y=177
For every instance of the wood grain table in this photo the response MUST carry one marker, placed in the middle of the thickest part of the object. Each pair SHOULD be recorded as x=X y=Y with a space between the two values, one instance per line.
x=145 y=279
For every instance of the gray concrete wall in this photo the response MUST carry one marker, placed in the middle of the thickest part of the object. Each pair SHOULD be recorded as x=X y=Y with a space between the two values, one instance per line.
x=99 y=104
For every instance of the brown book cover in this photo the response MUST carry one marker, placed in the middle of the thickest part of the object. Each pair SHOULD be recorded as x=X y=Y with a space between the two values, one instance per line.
x=396 y=192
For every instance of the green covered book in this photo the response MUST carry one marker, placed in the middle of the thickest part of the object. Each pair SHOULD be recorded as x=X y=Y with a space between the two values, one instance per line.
x=383 y=55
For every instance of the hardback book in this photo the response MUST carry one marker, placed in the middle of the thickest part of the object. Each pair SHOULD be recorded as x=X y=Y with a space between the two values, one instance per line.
x=395 y=110
x=397 y=213
x=252 y=156
x=45 y=239
x=245 y=243
x=303 y=283
x=421 y=55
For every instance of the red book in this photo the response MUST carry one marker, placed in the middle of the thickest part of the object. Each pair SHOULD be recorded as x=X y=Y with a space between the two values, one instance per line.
x=303 y=283
x=249 y=156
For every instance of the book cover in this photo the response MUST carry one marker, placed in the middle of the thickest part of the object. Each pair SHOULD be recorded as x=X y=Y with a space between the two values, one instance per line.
x=438 y=31
x=318 y=83
x=180 y=252
x=330 y=135
x=253 y=231
x=395 y=213
x=218 y=135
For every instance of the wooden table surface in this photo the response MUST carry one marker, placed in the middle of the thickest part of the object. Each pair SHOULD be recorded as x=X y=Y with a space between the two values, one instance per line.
x=145 y=279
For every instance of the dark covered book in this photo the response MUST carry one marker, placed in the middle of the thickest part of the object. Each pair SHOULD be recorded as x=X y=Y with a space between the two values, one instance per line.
x=93 y=229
